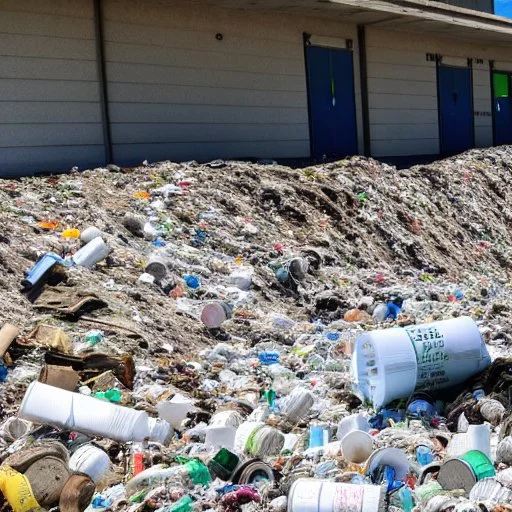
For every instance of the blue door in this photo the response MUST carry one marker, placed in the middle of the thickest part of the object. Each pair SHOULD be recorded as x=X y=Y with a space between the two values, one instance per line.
x=502 y=109
x=455 y=109
x=331 y=102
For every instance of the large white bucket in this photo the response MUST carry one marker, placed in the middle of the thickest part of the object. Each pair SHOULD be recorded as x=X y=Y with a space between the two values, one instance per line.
x=49 y=405
x=311 y=495
x=390 y=364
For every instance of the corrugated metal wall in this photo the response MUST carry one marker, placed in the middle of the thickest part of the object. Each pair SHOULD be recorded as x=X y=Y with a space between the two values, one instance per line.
x=50 y=115
x=176 y=92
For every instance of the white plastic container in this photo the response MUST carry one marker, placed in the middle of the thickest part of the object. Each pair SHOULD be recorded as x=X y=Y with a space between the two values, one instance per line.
x=49 y=405
x=90 y=460
x=89 y=234
x=175 y=410
x=478 y=437
x=311 y=495
x=221 y=437
x=351 y=423
x=91 y=253
x=357 y=446
x=390 y=364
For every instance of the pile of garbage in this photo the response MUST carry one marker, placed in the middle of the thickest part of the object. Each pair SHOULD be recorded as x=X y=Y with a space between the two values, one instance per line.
x=232 y=336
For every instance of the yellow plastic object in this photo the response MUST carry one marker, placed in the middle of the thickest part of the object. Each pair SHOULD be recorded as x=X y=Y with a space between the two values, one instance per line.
x=17 y=490
x=142 y=195
x=71 y=233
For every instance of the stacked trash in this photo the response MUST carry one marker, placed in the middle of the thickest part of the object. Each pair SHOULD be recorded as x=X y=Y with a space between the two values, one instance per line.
x=236 y=336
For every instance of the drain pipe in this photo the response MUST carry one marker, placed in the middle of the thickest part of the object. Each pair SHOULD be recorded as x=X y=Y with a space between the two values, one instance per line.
x=100 y=62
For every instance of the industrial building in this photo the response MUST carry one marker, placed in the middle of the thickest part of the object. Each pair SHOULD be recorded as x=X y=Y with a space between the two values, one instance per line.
x=88 y=82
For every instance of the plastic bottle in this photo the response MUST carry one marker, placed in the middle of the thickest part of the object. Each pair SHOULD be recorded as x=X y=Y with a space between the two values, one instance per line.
x=424 y=455
x=91 y=253
x=185 y=476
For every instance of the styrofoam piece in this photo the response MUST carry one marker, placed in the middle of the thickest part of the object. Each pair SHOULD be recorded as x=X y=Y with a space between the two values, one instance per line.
x=90 y=460
x=174 y=411
x=50 y=405
x=390 y=364
x=91 y=253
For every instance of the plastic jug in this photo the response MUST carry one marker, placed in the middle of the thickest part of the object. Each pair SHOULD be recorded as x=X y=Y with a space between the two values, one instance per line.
x=390 y=364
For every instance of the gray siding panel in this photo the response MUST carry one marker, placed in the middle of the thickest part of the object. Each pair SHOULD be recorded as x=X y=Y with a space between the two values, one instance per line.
x=30 y=160
x=131 y=154
x=176 y=92
x=50 y=115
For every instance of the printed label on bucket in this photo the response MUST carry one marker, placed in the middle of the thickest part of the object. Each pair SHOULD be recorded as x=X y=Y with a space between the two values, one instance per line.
x=348 y=498
x=431 y=355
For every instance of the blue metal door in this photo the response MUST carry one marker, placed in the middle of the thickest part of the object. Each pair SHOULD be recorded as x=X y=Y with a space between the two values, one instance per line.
x=502 y=108
x=332 y=107
x=455 y=109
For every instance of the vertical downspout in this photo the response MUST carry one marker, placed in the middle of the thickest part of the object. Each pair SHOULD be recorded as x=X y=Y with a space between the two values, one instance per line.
x=363 y=71
x=100 y=61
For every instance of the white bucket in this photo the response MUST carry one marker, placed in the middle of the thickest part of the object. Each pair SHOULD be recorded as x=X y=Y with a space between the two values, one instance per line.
x=357 y=446
x=174 y=411
x=91 y=253
x=390 y=364
x=50 y=405
x=351 y=423
x=221 y=437
x=90 y=460
x=311 y=495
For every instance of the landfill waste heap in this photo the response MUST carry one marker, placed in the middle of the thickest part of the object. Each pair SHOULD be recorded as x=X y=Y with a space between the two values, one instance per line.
x=238 y=337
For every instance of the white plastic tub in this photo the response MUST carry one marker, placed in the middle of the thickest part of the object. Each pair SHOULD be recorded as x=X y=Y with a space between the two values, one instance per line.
x=390 y=364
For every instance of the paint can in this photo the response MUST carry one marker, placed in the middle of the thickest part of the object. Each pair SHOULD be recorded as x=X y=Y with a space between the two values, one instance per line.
x=391 y=364
x=214 y=314
x=312 y=495
x=465 y=471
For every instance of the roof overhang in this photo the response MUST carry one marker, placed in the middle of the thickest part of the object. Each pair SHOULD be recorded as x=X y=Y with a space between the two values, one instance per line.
x=419 y=16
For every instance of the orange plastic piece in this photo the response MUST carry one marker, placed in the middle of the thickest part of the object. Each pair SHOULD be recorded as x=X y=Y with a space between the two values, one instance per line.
x=48 y=224
x=142 y=195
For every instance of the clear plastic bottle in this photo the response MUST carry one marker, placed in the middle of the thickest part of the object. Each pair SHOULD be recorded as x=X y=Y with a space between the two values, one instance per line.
x=185 y=476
